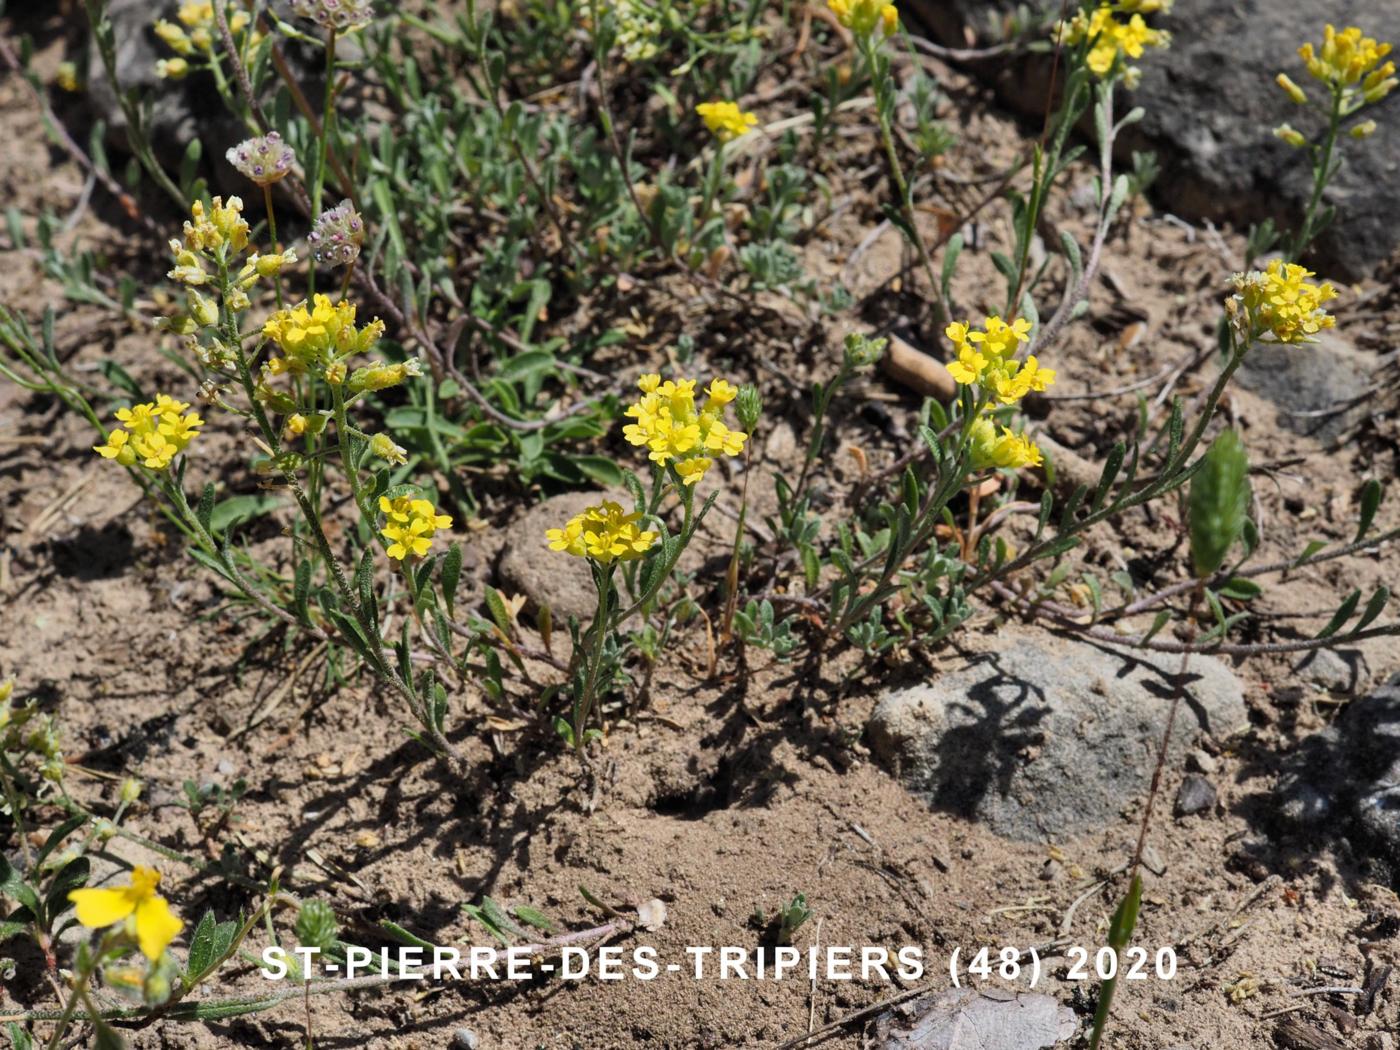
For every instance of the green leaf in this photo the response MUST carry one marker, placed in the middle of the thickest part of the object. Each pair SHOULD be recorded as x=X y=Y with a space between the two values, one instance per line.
x=526 y=364
x=237 y=509
x=1120 y=930
x=1241 y=589
x=1370 y=503
x=19 y=1038
x=201 y=955
x=1312 y=548
x=534 y=918
x=73 y=876
x=1342 y=615
x=204 y=512
x=451 y=576
x=1374 y=607
x=301 y=590
x=1157 y=624
x=1110 y=471
x=496 y=604
x=599 y=469
x=1217 y=502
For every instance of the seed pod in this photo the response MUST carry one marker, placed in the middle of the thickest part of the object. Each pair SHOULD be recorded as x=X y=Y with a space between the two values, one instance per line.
x=316 y=926
x=1218 y=502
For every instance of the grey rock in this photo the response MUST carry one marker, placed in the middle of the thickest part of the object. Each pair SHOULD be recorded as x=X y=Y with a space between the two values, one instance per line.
x=465 y=1039
x=1345 y=780
x=1211 y=104
x=181 y=110
x=973 y=1019
x=1047 y=737
x=1319 y=388
x=1333 y=671
x=545 y=577
x=1196 y=795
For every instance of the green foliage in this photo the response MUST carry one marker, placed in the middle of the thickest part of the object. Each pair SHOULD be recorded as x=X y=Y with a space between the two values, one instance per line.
x=1218 y=502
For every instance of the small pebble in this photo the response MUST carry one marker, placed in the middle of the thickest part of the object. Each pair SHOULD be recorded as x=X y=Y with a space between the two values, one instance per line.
x=1196 y=795
x=465 y=1039
x=1202 y=762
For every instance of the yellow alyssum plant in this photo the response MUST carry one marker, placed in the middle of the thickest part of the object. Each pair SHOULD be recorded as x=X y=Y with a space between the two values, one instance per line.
x=1114 y=33
x=682 y=434
x=1279 y=304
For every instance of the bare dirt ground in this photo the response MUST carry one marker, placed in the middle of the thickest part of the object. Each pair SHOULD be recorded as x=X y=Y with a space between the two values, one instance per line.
x=724 y=795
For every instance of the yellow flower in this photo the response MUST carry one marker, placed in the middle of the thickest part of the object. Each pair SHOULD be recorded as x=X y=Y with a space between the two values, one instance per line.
x=67 y=77
x=147 y=915
x=967 y=369
x=726 y=120
x=410 y=525
x=1346 y=58
x=676 y=431
x=1279 y=303
x=987 y=356
x=1110 y=38
x=863 y=17
x=604 y=533
x=322 y=334
x=155 y=433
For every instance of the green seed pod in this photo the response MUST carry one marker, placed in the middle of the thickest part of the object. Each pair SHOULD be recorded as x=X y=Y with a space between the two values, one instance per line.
x=749 y=406
x=316 y=926
x=1218 y=502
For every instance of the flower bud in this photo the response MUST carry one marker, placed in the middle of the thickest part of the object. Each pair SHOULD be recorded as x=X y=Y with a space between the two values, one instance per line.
x=295 y=425
x=172 y=68
x=383 y=447
x=1290 y=135
x=130 y=790
x=337 y=235
x=1363 y=130
x=335 y=373
x=264 y=160
x=1294 y=91
x=204 y=312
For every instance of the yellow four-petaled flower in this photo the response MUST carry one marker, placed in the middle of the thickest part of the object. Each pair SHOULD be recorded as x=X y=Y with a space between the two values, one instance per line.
x=604 y=533
x=679 y=432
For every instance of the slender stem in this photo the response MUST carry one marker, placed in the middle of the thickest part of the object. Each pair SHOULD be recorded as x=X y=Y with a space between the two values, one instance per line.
x=1322 y=174
x=879 y=78
x=272 y=237
x=598 y=634
x=327 y=117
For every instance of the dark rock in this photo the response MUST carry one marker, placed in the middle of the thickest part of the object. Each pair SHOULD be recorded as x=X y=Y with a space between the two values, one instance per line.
x=1212 y=105
x=1196 y=795
x=1047 y=737
x=1345 y=780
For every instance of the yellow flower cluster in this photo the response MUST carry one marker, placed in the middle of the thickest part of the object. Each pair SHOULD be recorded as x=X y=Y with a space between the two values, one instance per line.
x=863 y=17
x=726 y=120
x=1007 y=450
x=195 y=34
x=1114 y=31
x=148 y=918
x=987 y=357
x=409 y=525
x=1350 y=59
x=1281 y=303
x=604 y=533
x=155 y=433
x=679 y=433
x=221 y=226
x=319 y=336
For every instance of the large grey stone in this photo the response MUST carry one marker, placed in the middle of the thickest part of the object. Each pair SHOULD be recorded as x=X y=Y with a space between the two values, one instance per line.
x=1211 y=105
x=1319 y=388
x=1345 y=780
x=547 y=577
x=1047 y=737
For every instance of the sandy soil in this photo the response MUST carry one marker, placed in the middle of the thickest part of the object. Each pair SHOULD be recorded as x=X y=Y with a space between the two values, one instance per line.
x=725 y=795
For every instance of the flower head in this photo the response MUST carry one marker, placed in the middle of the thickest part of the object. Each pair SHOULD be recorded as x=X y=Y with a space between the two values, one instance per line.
x=864 y=17
x=336 y=237
x=1114 y=32
x=409 y=525
x=318 y=336
x=265 y=159
x=221 y=226
x=679 y=432
x=726 y=120
x=155 y=432
x=987 y=357
x=1349 y=58
x=343 y=16
x=604 y=533
x=148 y=917
x=1279 y=304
